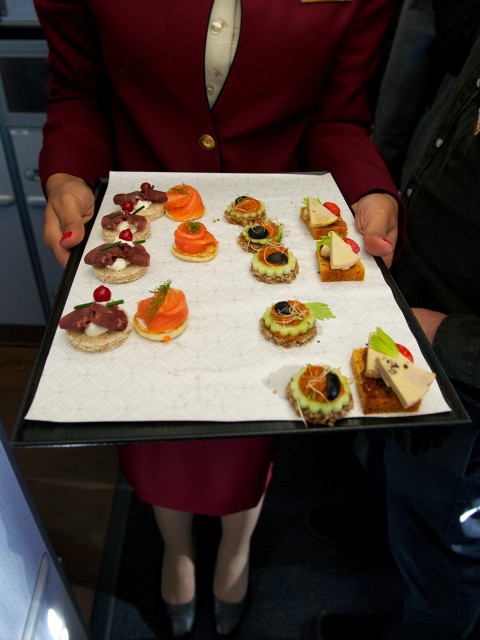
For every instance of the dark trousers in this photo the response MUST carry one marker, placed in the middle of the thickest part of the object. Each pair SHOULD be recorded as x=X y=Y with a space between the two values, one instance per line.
x=433 y=495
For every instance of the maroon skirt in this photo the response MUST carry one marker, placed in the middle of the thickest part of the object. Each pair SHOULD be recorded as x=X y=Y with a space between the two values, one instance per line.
x=208 y=477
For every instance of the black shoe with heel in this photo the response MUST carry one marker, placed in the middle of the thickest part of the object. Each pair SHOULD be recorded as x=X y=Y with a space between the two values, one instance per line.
x=181 y=617
x=228 y=615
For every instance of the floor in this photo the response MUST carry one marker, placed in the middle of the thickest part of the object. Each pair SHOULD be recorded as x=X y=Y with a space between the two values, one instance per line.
x=72 y=488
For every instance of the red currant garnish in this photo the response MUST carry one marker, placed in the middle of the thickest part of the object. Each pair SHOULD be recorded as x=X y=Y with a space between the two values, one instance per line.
x=127 y=207
x=126 y=235
x=102 y=294
x=145 y=186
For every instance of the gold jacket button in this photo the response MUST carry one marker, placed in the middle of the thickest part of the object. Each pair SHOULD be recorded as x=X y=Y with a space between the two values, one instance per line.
x=206 y=142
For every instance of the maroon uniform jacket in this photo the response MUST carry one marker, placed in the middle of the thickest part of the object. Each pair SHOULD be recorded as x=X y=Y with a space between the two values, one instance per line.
x=129 y=90
x=128 y=93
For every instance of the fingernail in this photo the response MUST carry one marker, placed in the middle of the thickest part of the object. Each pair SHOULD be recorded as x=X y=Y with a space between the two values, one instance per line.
x=66 y=235
x=388 y=241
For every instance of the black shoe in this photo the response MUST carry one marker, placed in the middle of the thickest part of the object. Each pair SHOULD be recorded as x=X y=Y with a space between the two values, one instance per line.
x=181 y=617
x=338 y=626
x=228 y=615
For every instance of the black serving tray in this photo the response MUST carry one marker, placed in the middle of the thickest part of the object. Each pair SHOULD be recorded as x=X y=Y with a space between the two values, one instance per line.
x=32 y=433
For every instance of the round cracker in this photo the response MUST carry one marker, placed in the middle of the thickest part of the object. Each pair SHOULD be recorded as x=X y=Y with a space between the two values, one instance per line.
x=208 y=253
x=288 y=277
x=98 y=344
x=320 y=418
x=243 y=222
x=129 y=274
x=157 y=336
x=295 y=341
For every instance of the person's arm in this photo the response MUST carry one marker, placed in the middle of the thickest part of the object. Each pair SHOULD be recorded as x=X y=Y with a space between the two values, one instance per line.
x=78 y=143
x=456 y=342
x=78 y=134
x=338 y=135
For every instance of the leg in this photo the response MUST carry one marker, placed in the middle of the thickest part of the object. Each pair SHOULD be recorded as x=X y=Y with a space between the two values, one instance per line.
x=231 y=569
x=435 y=535
x=178 y=570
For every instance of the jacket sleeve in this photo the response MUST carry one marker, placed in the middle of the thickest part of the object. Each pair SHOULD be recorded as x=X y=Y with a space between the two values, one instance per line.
x=338 y=134
x=457 y=346
x=78 y=134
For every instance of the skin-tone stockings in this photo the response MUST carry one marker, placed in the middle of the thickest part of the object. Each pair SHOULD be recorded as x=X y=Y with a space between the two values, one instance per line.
x=231 y=569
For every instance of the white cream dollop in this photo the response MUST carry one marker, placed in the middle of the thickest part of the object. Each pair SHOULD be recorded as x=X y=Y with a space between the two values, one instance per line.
x=118 y=265
x=95 y=330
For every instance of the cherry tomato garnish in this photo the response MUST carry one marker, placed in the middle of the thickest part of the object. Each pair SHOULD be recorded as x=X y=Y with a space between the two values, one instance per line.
x=353 y=244
x=405 y=352
x=331 y=206
x=145 y=186
x=127 y=207
x=126 y=235
x=102 y=294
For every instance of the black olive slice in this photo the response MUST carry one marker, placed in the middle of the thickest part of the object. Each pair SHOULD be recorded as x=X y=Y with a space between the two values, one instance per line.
x=283 y=308
x=333 y=386
x=257 y=232
x=239 y=199
x=278 y=258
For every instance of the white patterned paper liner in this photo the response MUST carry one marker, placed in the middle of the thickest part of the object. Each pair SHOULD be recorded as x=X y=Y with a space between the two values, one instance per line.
x=221 y=368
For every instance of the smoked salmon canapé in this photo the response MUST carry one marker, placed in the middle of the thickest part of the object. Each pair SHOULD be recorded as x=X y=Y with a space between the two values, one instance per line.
x=184 y=203
x=245 y=210
x=194 y=243
x=163 y=316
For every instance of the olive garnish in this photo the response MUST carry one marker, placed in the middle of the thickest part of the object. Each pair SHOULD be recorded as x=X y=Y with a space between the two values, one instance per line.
x=278 y=257
x=257 y=232
x=239 y=199
x=333 y=386
x=283 y=308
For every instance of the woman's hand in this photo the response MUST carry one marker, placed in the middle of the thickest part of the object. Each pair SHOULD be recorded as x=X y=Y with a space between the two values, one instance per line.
x=376 y=217
x=70 y=204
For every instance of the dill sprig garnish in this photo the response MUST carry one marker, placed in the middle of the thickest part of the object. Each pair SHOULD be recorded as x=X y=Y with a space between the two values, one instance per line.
x=159 y=295
x=181 y=189
x=193 y=226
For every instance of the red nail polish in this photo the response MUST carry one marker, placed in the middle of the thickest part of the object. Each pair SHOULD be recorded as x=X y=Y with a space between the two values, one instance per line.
x=66 y=235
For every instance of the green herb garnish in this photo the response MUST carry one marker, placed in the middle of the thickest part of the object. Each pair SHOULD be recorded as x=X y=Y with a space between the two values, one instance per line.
x=112 y=244
x=381 y=342
x=182 y=189
x=193 y=226
x=159 y=295
x=324 y=241
x=139 y=209
x=110 y=303
x=320 y=310
x=115 y=214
